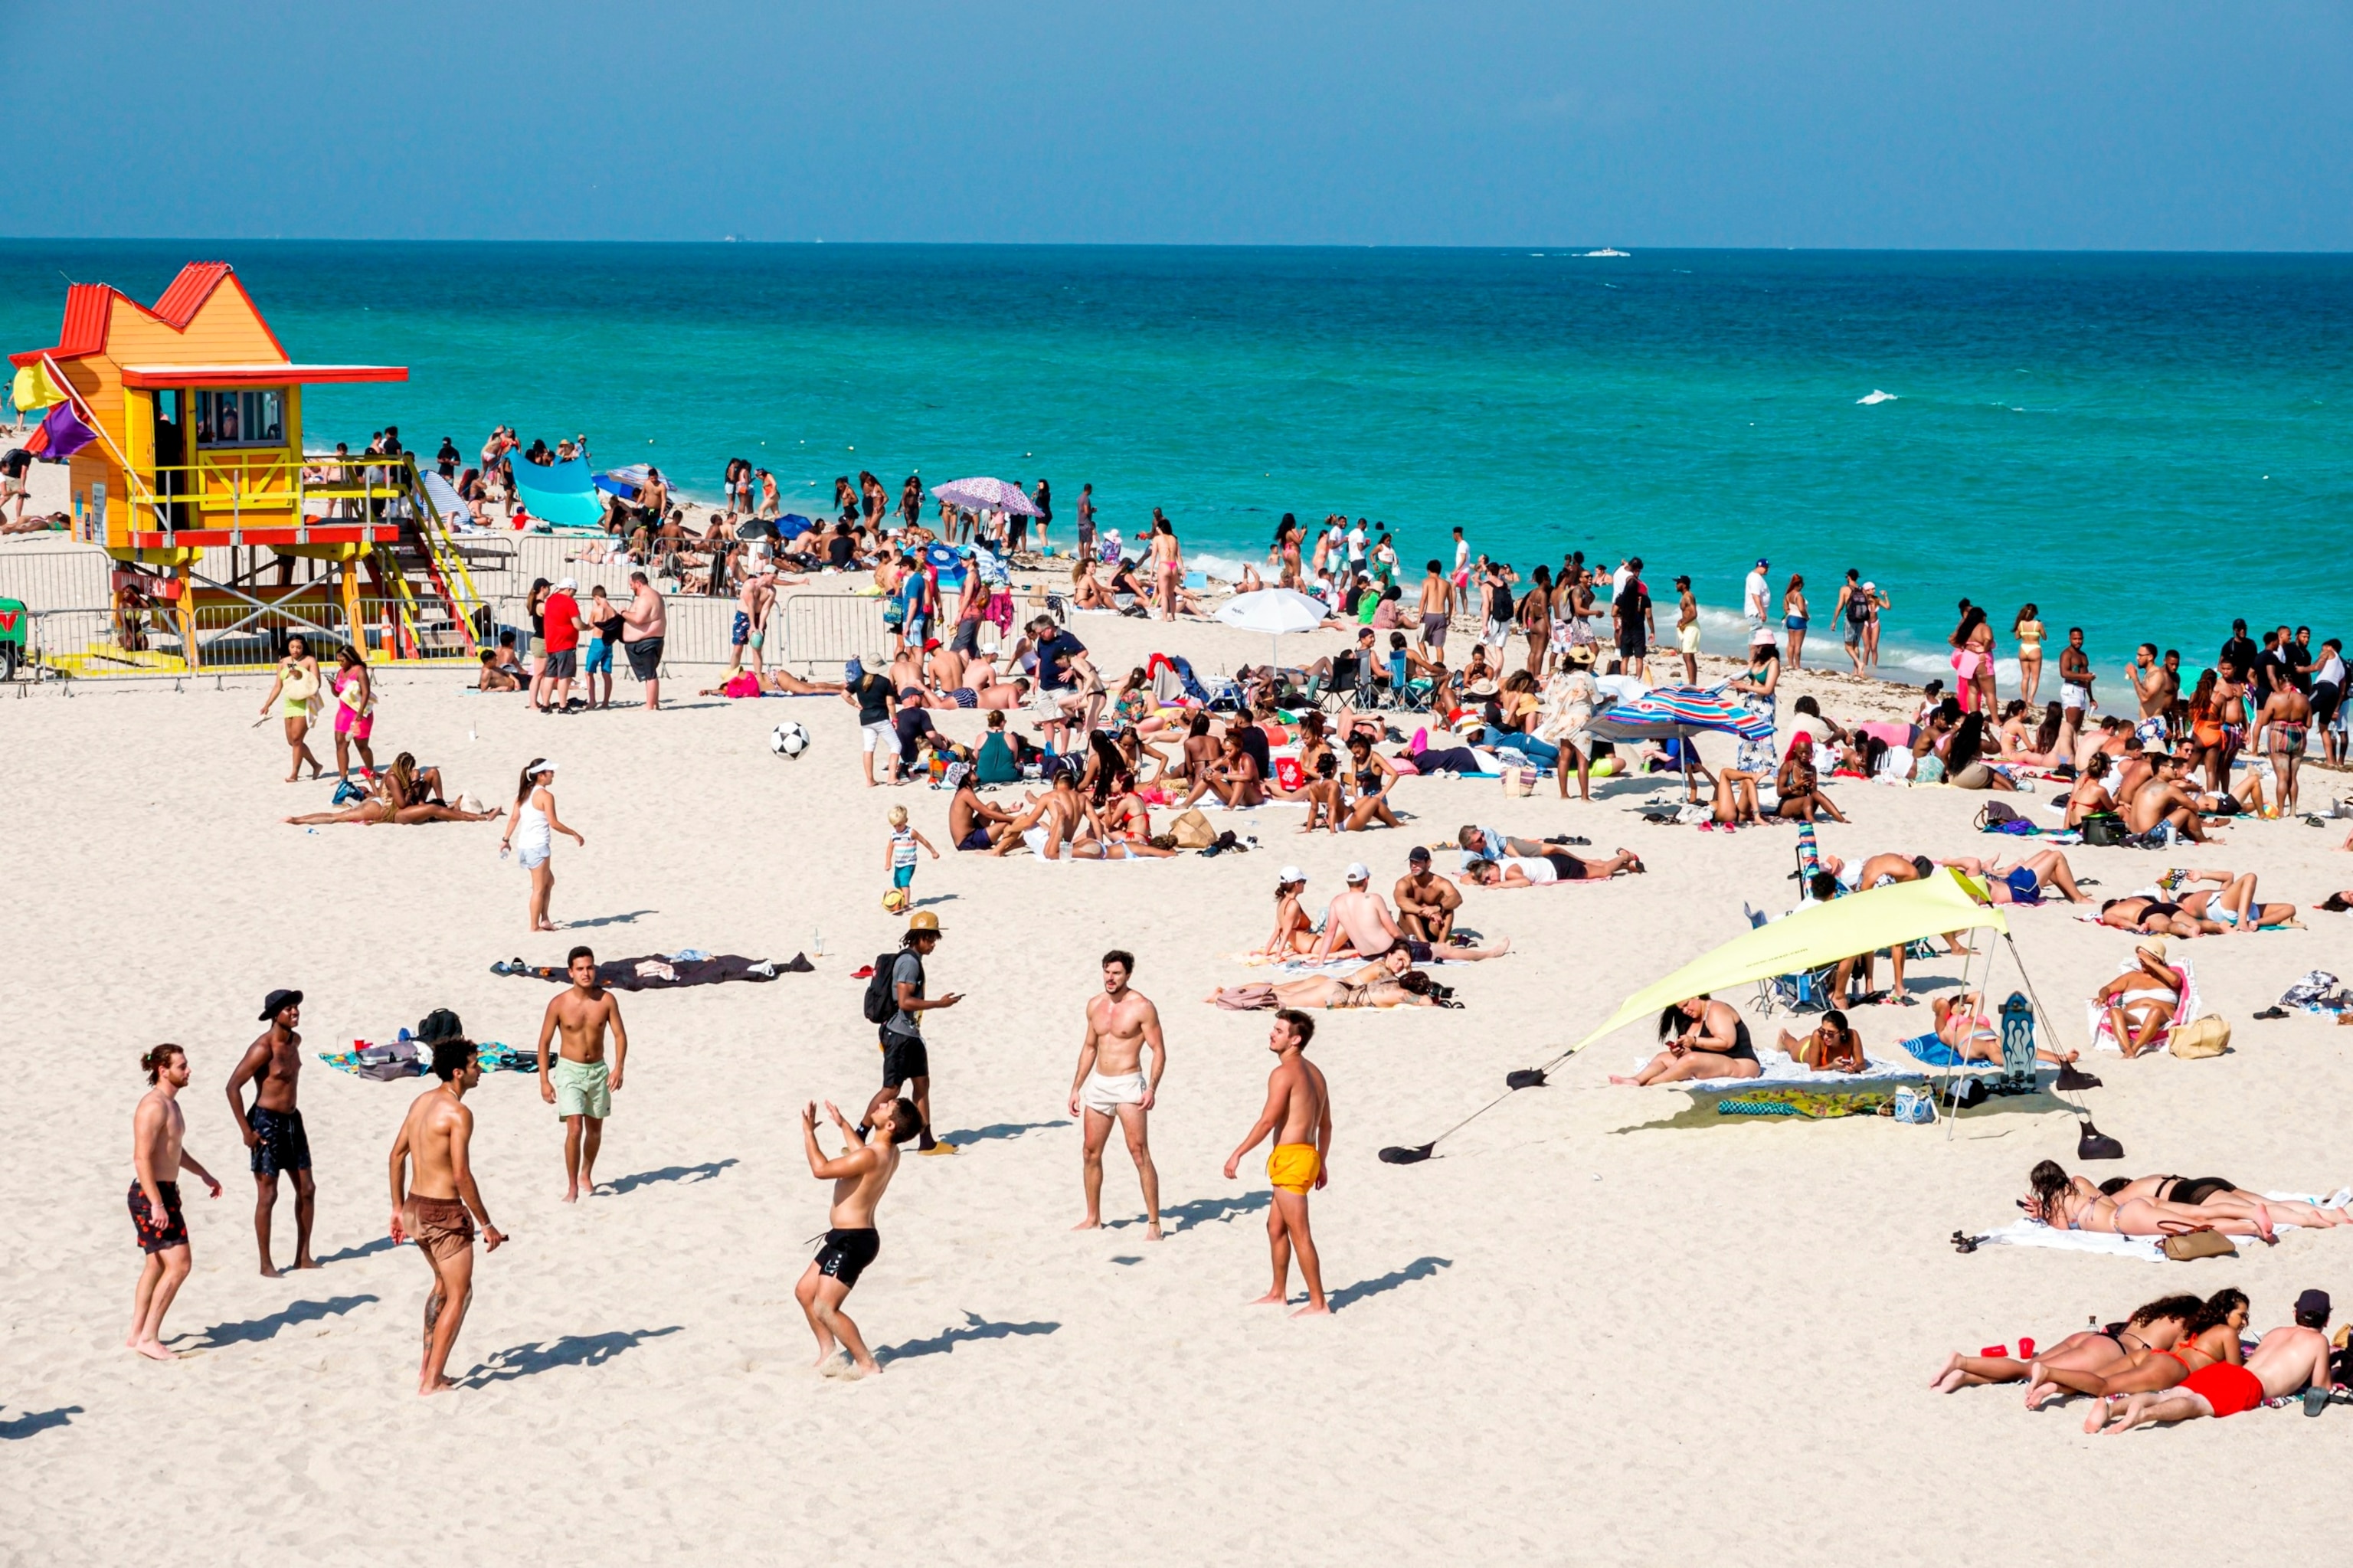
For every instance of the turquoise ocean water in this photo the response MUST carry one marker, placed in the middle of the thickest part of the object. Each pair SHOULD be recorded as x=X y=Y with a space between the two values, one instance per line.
x=2145 y=445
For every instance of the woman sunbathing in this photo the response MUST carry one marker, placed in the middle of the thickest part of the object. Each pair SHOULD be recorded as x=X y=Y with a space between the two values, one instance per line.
x=2141 y=1002
x=1294 y=934
x=1736 y=800
x=1329 y=808
x=1087 y=591
x=1548 y=868
x=2157 y=1325
x=1962 y=1025
x=2156 y=918
x=2217 y=1195
x=2023 y=883
x=402 y=796
x=1832 y=1047
x=2209 y=1338
x=1704 y=1039
x=1387 y=981
x=2232 y=900
x=2073 y=1203
x=2089 y=798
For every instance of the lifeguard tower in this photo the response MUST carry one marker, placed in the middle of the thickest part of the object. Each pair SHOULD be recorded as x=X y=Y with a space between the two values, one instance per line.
x=222 y=531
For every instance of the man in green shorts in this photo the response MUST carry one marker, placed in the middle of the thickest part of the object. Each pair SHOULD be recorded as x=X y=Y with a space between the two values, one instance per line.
x=581 y=1088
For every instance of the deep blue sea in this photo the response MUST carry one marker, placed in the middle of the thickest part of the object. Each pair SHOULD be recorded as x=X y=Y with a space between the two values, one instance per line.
x=2145 y=445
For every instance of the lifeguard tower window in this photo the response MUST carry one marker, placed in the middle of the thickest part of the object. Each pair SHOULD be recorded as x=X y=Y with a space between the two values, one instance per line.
x=241 y=419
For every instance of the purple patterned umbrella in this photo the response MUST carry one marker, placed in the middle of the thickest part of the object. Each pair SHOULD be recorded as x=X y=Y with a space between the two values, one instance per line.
x=986 y=494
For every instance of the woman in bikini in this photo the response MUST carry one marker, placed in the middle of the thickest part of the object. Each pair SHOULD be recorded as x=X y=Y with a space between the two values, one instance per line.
x=1387 y=981
x=2028 y=633
x=2067 y=1202
x=1961 y=1023
x=2100 y=1351
x=1800 y=787
x=2140 y=1004
x=2219 y=1195
x=403 y=796
x=2209 y=1338
x=1294 y=934
x=1833 y=1046
x=293 y=693
x=2155 y=917
x=2090 y=797
x=1087 y=591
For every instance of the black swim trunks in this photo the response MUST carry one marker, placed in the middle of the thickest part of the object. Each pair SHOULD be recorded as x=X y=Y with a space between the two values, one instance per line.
x=284 y=1145
x=645 y=657
x=903 y=1057
x=975 y=840
x=170 y=1231
x=846 y=1254
x=2195 y=1190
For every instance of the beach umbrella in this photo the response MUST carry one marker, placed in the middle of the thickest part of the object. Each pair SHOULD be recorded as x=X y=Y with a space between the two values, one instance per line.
x=1274 y=612
x=1681 y=712
x=984 y=494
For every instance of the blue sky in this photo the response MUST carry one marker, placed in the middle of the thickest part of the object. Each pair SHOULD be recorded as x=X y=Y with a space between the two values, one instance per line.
x=2193 y=124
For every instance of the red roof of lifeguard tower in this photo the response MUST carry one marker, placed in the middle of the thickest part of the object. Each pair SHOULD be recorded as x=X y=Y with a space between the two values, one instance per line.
x=203 y=330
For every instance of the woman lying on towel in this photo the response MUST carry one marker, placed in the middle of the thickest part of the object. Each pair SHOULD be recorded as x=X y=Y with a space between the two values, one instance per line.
x=1704 y=1039
x=2102 y=1353
x=1548 y=868
x=2217 y=1195
x=2073 y=1203
x=1385 y=983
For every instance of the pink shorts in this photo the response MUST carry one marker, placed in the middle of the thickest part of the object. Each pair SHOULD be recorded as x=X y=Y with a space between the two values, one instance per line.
x=357 y=728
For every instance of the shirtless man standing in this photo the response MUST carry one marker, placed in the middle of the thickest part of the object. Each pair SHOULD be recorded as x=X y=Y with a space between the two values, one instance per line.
x=157 y=1129
x=433 y=1213
x=1426 y=902
x=1110 y=1083
x=1298 y=1110
x=1437 y=609
x=581 y=1088
x=860 y=1176
x=272 y=1129
x=2155 y=689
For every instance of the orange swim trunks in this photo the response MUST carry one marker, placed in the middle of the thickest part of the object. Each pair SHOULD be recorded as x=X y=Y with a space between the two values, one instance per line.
x=1293 y=1167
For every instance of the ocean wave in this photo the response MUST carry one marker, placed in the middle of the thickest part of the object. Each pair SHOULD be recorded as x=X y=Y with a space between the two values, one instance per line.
x=1226 y=566
x=1876 y=396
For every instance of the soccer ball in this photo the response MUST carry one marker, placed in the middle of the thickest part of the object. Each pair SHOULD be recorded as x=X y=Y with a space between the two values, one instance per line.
x=788 y=739
x=895 y=901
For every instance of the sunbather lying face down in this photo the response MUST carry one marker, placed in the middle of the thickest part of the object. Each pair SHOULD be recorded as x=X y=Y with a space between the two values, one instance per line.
x=1547 y=868
x=2291 y=1360
x=2102 y=1353
x=2157 y=917
x=2216 y=1195
x=2073 y=1203
x=1387 y=981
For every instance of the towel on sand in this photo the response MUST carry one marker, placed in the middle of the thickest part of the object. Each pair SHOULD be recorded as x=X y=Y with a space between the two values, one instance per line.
x=2033 y=1233
x=1780 y=1068
x=656 y=973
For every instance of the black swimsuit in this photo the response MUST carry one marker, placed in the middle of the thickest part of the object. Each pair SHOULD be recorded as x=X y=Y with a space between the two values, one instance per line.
x=1743 y=1050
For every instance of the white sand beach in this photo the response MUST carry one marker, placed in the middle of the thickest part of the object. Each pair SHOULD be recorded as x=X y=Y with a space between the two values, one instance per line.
x=1580 y=1335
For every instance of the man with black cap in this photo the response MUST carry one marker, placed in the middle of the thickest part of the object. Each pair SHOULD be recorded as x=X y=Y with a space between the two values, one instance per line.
x=273 y=1128
x=1426 y=902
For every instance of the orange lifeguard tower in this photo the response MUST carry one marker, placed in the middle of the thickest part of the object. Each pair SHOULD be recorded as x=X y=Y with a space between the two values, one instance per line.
x=198 y=414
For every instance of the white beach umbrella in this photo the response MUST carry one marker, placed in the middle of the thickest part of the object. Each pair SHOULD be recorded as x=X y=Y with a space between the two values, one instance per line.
x=1274 y=612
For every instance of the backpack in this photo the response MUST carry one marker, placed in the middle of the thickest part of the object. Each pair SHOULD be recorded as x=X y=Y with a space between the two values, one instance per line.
x=881 y=994
x=439 y=1024
x=2104 y=828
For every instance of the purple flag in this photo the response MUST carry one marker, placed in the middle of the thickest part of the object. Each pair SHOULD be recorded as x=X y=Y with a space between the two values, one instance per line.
x=61 y=434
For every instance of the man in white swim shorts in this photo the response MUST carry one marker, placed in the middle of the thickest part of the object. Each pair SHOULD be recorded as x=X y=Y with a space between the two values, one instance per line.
x=1111 y=1084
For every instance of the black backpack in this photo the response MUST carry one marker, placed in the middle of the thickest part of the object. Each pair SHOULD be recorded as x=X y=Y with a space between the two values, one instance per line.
x=881 y=994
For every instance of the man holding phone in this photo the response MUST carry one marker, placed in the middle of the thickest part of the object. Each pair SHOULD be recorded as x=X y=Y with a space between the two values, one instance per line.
x=904 y=1059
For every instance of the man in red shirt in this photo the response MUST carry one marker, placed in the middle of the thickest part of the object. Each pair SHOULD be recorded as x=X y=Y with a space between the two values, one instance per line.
x=560 y=618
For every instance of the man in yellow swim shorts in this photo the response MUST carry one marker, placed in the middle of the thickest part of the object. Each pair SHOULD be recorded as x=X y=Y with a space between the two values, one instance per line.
x=1298 y=1111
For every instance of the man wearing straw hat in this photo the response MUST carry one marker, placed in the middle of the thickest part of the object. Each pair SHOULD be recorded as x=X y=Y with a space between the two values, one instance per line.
x=904 y=1058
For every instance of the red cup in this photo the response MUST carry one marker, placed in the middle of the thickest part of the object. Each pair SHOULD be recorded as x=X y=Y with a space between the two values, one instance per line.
x=1995 y=1352
x=2026 y=1350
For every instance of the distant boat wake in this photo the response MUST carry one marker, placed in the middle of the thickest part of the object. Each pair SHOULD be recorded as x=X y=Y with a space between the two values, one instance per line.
x=1876 y=396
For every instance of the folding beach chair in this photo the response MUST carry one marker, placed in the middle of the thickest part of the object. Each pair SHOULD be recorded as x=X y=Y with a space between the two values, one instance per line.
x=1807 y=990
x=1406 y=694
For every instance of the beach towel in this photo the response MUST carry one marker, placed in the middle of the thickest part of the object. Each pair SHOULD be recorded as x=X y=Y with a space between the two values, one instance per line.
x=1779 y=1067
x=1814 y=1107
x=658 y=971
x=2149 y=1249
x=2105 y=1038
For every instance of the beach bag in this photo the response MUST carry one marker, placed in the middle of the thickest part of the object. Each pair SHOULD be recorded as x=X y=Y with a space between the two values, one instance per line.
x=1289 y=774
x=1518 y=782
x=1192 y=831
x=881 y=998
x=2197 y=1244
x=439 y=1024
x=1995 y=817
x=2208 y=1036
x=2105 y=829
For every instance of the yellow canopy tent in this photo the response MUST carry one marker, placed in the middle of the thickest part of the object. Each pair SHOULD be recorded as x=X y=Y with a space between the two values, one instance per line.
x=1817 y=935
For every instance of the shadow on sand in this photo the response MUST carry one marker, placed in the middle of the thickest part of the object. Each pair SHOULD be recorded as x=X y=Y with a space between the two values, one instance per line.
x=679 y=1173
x=1419 y=1268
x=975 y=1327
x=571 y=1351
x=15 y=1427
x=254 y=1330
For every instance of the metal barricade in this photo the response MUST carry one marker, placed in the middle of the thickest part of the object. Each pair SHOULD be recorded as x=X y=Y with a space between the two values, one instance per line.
x=831 y=629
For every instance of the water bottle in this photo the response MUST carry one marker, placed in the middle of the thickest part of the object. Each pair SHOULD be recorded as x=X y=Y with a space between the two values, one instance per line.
x=816 y=942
